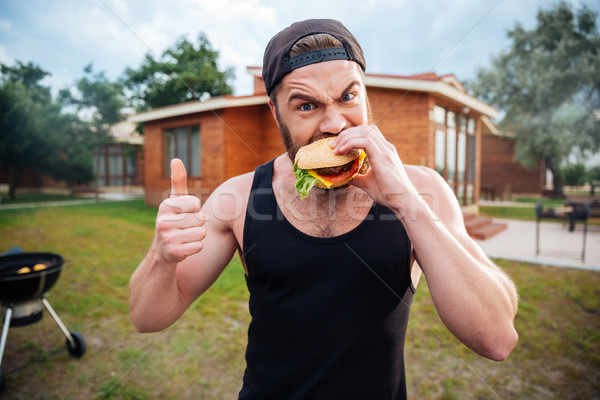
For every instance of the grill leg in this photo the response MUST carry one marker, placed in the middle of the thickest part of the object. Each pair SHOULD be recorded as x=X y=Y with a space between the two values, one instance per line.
x=5 y=327
x=62 y=327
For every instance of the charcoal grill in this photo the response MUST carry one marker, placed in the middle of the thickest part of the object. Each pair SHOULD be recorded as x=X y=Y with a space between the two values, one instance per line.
x=25 y=280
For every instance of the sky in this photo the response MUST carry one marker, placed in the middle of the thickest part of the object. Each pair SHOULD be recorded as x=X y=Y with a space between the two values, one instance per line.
x=399 y=37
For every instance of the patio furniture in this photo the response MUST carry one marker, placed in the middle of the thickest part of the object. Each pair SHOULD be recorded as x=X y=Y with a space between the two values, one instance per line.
x=581 y=211
x=572 y=212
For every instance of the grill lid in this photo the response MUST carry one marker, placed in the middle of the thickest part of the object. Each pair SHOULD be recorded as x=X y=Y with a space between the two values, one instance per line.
x=18 y=287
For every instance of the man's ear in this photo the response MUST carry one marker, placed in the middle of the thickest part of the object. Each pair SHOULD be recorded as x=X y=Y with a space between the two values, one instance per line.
x=274 y=113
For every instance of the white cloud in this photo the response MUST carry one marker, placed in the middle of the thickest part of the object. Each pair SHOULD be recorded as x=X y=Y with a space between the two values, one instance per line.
x=237 y=29
x=5 y=57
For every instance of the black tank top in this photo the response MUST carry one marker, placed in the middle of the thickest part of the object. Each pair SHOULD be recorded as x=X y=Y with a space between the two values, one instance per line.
x=329 y=315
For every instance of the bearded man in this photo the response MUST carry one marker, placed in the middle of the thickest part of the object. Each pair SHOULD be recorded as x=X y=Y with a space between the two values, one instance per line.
x=331 y=276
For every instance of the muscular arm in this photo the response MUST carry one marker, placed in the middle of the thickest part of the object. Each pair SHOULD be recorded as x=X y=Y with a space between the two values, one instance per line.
x=185 y=258
x=474 y=298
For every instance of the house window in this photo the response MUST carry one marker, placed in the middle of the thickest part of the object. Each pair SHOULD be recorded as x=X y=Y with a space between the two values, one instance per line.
x=183 y=143
x=440 y=151
x=471 y=145
x=450 y=147
x=455 y=151
x=439 y=117
x=114 y=165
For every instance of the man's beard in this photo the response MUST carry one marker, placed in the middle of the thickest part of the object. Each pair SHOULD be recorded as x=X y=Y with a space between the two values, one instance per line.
x=286 y=136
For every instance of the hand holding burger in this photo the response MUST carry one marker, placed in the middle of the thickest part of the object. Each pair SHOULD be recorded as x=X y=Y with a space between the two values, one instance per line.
x=317 y=165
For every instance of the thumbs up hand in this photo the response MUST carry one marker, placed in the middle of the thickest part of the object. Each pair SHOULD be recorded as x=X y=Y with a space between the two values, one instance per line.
x=179 y=223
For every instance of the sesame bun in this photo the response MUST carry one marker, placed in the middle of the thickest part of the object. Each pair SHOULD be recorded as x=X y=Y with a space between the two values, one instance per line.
x=320 y=154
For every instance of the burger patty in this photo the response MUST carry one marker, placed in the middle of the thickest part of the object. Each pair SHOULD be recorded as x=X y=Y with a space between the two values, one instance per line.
x=334 y=170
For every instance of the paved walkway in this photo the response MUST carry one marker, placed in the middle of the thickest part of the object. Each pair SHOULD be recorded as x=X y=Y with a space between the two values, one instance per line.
x=558 y=246
x=105 y=197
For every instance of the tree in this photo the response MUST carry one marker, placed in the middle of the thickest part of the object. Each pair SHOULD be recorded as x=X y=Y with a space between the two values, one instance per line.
x=98 y=104
x=97 y=100
x=593 y=178
x=183 y=73
x=25 y=106
x=573 y=174
x=73 y=162
x=40 y=132
x=548 y=85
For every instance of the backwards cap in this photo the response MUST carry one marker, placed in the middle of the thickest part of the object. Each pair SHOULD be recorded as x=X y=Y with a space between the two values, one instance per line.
x=277 y=62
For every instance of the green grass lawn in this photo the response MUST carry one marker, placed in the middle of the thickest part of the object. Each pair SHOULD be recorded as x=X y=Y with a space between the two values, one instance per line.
x=34 y=197
x=202 y=355
x=524 y=209
x=546 y=202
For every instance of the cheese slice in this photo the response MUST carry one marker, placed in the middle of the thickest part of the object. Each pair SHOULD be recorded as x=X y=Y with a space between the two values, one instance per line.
x=319 y=178
x=361 y=157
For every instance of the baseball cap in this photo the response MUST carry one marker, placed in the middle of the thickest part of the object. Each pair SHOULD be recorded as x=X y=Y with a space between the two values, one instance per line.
x=277 y=62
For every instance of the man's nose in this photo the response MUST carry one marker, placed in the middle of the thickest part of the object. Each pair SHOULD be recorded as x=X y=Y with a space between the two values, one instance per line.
x=333 y=120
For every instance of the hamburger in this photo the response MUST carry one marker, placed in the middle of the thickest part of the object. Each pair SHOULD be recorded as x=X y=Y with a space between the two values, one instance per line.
x=316 y=164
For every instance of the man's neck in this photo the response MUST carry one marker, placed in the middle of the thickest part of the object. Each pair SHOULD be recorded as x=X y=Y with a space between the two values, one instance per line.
x=324 y=213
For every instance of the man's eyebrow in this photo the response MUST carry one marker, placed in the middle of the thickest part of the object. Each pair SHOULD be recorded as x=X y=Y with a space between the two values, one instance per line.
x=350 y=86
x=310 y=99
x=300 y=96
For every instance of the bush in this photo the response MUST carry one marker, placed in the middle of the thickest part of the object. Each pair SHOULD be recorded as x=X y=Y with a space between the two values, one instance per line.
x=573 y=174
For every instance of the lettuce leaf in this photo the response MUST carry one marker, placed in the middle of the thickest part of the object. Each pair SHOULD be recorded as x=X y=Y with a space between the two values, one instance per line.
x=305 y=181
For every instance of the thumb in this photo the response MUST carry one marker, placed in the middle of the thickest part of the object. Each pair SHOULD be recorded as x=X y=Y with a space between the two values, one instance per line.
x=178 y=178
x=361 y=180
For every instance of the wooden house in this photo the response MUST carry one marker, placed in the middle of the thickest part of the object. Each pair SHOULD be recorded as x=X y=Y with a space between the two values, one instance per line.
x=431 y=119
x=502 y=176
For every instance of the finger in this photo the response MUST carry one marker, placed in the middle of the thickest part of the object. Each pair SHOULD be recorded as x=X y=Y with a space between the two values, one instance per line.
x=178 y=178
x=191 y=220
x=180 y=205
x=358 y=137
x=190 y=235
x=347 y=144
x=360 y=181
x=182 y=251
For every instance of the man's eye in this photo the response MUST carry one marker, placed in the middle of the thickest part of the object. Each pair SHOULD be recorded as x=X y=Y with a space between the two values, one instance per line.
x=348 y=97
x=306 y=107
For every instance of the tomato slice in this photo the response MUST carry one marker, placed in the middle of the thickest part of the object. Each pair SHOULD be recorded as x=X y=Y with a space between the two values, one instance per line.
x=344 y=175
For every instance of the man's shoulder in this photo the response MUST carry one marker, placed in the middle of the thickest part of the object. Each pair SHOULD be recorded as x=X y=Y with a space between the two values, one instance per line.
x=421 y=173
x=236 y=186
x=426 y=180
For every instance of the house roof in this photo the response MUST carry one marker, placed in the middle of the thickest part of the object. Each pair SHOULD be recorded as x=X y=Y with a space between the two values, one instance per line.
x=196 y=106
x=488 y=127
x=446 y=86
x=124 y=132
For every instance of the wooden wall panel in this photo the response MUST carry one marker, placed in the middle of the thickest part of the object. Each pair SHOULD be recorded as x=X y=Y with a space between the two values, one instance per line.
x=403 y=119
x=499 y=169
x=251 y=139
x=154 y=184
x=157 y=183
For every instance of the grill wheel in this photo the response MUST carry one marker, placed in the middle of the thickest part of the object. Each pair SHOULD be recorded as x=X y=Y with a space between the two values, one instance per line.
x=78 y=350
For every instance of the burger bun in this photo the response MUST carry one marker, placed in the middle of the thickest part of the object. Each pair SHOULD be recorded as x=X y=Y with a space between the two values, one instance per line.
x=320 y=154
